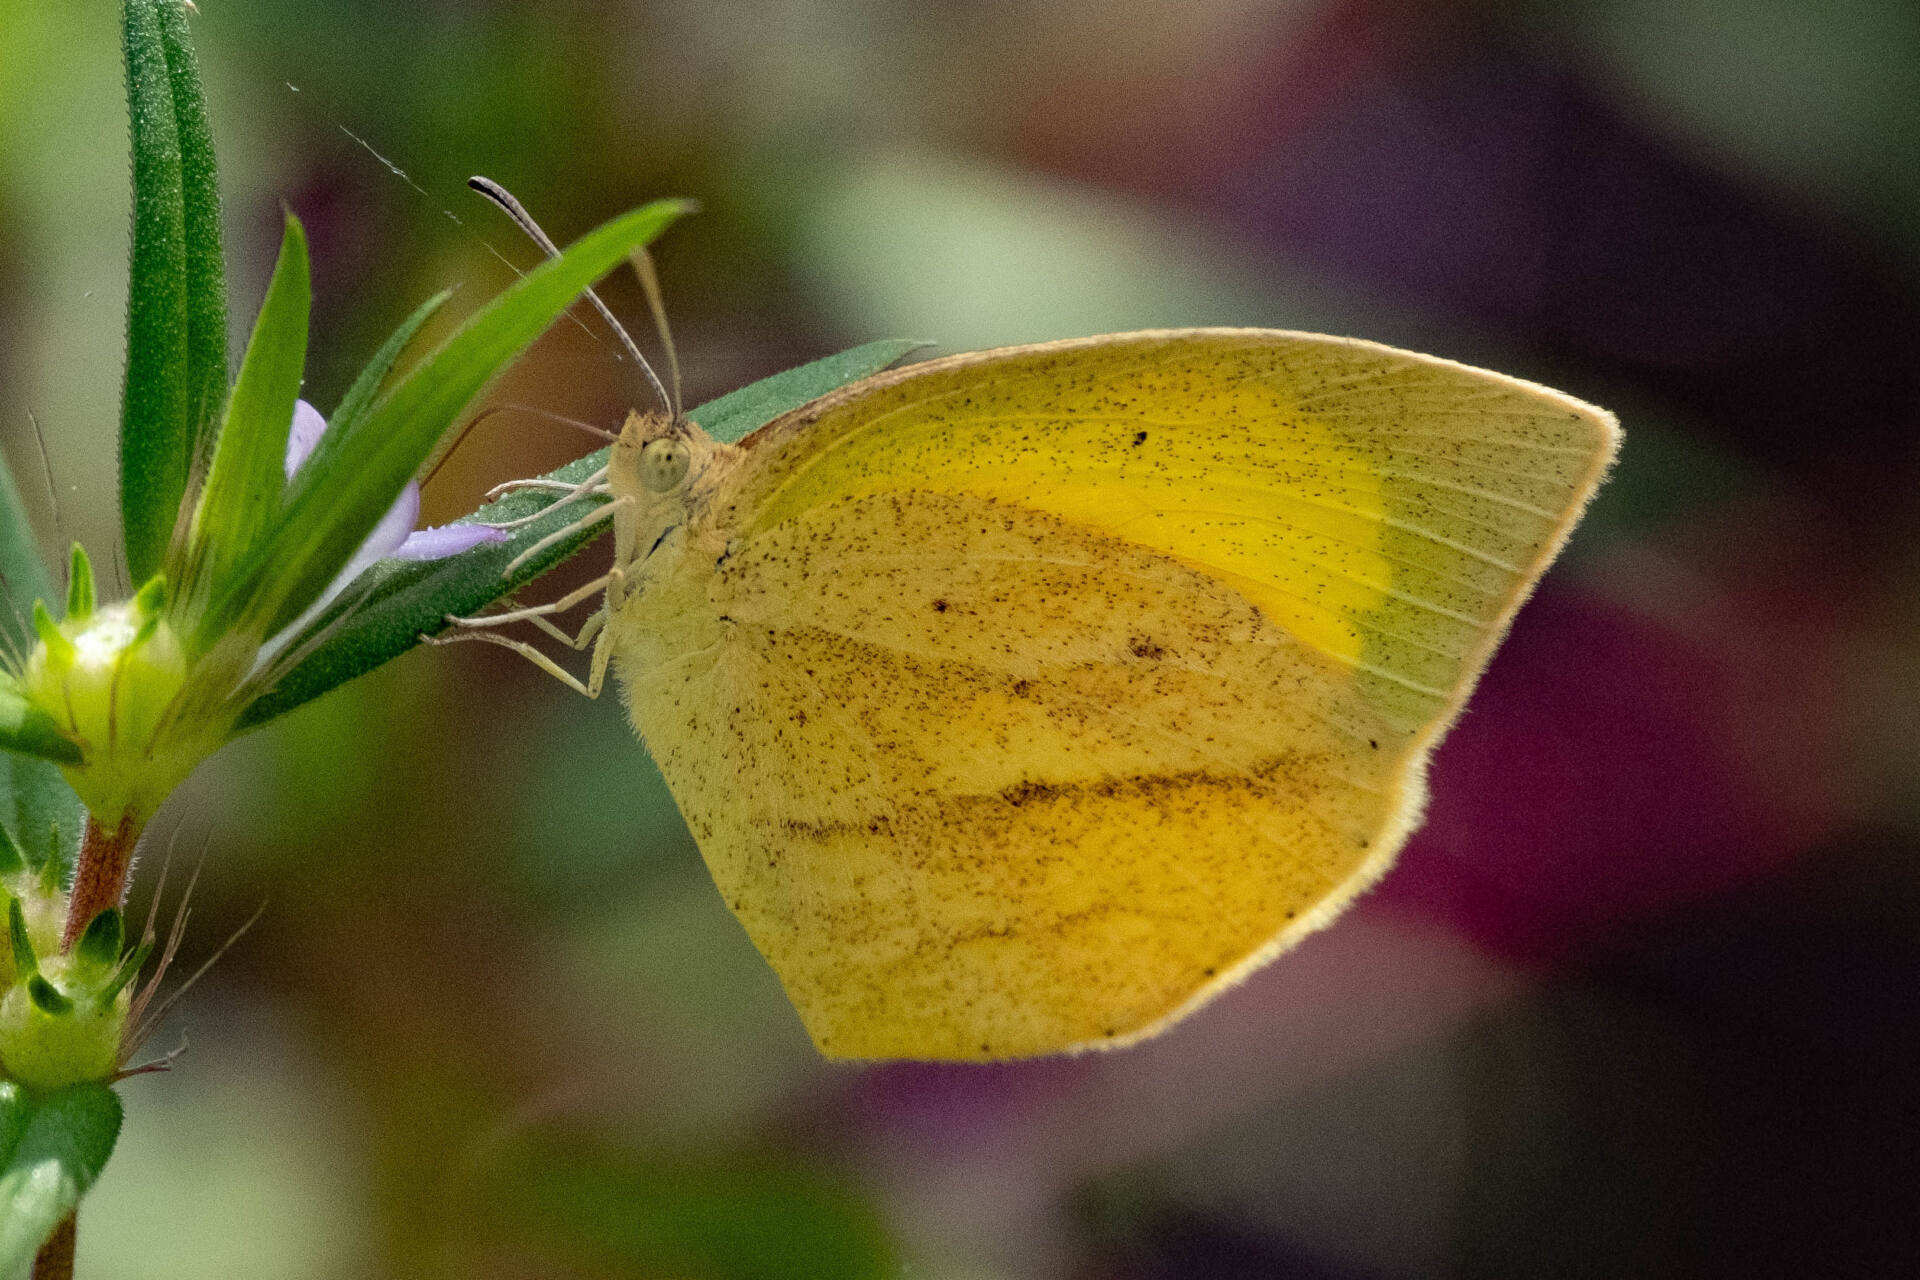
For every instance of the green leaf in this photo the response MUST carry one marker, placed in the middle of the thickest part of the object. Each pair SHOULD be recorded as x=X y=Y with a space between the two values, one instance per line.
x=397 y=601
x=49 y=634
x=404 y=600
x=34 y=798
x=753 y=406
x=99 y=946
x=25 y=963
x=80 y=590
x=242 y=497
x=60 y=1142
x=614 y=1212
x=176 y=308
x=360 y=395
x=200 y=198
x=354 y=475
x=48 y=998
x=28 y=731
x=151 y=598
x=128 y=970
x=155 y=432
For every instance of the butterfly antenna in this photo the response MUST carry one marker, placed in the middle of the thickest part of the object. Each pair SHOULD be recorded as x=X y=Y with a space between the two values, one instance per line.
x=535 y=410
x=551 y=416
x=650 y=285
x=524 y=220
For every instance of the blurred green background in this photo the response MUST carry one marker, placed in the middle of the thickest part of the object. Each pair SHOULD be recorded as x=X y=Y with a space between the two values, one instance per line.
x=1642 y=997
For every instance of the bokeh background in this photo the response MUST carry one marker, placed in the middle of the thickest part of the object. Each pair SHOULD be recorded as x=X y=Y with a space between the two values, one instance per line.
x=1643 y=997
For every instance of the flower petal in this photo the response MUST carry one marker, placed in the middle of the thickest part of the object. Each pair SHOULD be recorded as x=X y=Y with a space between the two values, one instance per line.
x=447 y=540
x=390 y=532
x=387 y=536
x=308 y=427
x=393 y=537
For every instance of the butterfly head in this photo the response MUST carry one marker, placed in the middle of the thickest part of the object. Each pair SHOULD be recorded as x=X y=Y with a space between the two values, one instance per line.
x=657 y=459
x=661 y=468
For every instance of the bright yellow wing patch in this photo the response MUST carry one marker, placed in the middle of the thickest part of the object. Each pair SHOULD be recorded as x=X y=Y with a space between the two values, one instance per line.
x=1216 y=466
x=1021 y=701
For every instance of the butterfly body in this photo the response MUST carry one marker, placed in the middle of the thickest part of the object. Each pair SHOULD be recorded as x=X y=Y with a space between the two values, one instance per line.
x=1020 y=702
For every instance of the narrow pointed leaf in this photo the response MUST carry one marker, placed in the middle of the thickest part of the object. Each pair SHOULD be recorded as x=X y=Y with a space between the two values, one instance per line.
x=47 y=997
x=64 y=1141
x=151 y=598
x=80 y=590
x=24 y=960
x=245 y=482
x=406 y=599
x=49 y=633
x=129 y=970
x=100 y=945
x=753 y=406
x=206 y=282
x=156 y=433
x=354 y=476
x=29 y=731
x=360 y=396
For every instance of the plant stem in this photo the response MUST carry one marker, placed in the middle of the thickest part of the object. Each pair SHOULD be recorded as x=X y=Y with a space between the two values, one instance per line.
x=100 y=880
x=55 y=1259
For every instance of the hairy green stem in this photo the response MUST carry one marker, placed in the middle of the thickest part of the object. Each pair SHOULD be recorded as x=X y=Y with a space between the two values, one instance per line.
x=100 y=879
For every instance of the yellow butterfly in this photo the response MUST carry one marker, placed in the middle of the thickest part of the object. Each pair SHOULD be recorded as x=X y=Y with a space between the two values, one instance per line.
x=1022 y=701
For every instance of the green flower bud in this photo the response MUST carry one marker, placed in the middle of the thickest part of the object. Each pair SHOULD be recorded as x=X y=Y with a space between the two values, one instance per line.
x=55 y=1031
x=116 y=680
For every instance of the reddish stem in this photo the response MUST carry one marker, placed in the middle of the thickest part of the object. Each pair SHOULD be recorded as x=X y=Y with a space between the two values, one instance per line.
x=55 y=1259
x=100 y=881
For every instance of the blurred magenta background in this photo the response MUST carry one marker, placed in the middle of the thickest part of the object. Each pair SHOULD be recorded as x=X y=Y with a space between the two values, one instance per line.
x=1643 y=998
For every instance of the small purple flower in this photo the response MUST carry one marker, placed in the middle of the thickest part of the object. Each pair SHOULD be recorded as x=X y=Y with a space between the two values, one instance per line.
x=394 y=538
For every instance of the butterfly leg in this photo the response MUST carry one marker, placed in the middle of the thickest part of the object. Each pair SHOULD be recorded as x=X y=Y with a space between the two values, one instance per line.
x=526 y=651
x=595 y=483
x=542 y=485
x=597 y=516
x=506 y=487
x=602 y=650
x=597 y=625
x=581 y=641
x=538 y=612
x=594 y=630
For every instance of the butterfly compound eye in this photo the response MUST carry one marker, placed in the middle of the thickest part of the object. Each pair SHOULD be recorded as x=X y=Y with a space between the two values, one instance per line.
x=663 y=464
